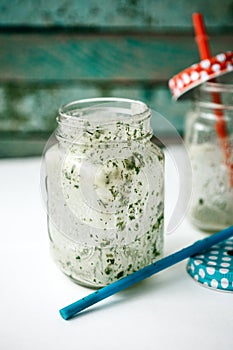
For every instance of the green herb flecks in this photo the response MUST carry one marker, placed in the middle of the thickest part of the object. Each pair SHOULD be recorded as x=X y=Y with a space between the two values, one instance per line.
x=121 y=225
x=130 y=164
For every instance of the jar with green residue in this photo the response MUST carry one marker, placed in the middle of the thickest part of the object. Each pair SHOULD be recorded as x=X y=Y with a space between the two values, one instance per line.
x=209 y=137
x=105 y=191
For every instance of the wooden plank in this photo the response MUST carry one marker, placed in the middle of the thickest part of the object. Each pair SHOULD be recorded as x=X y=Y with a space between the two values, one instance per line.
x=124 y=13
x=22 y=145
x=33 y=107
x=28 y=110
x=66 y=56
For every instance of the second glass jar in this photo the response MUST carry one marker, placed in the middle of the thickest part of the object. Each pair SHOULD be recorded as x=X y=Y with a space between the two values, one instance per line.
x=209 y=137
x=105 y=189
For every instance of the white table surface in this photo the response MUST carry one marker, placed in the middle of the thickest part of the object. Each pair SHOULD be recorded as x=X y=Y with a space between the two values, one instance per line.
x=166 y=311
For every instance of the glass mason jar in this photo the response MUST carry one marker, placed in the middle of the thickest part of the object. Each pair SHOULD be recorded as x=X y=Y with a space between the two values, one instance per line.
x=105 y=190
x=209 y=136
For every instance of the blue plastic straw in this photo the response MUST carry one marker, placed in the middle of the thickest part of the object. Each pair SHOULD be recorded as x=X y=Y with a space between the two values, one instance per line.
x=125 y=282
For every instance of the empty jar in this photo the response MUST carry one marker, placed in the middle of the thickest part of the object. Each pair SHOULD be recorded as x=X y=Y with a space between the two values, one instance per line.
x=105 y=191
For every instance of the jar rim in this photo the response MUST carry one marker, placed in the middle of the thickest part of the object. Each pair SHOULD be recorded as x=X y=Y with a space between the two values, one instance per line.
x=65 y=111
x=214 y=106
x=216 y=87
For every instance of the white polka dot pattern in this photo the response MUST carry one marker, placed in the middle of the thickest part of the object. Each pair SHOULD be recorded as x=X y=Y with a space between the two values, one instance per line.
x=201 y=72
x=214 y=268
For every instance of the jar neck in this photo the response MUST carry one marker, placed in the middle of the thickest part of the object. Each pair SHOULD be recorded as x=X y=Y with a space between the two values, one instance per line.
x=103 y=120
x=214 y=97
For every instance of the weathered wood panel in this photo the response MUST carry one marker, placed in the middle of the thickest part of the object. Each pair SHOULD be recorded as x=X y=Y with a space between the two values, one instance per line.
x=155 y=14
x=28 y=111
x=102 y=57
x=52 y=52
x=21 y=145
x=33 y=107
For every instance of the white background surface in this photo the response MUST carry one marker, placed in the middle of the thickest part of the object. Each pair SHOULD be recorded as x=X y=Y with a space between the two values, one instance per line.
x=166 y=311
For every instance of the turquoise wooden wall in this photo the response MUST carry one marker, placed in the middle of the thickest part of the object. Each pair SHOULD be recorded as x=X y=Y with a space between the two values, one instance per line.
x=52 y=52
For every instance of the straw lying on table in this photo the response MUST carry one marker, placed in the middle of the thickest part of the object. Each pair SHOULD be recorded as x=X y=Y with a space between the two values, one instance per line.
x=115 y=287
x=220 y=127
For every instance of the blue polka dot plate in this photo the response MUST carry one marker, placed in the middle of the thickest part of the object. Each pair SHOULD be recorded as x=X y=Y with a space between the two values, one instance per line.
x=214 y=267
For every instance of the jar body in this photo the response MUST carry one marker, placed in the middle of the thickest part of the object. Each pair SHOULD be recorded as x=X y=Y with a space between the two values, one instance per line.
x=211 y=156
x=105 y=194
